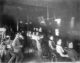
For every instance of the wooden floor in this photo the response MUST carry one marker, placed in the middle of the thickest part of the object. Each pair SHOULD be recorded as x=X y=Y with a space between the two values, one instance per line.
x=38 y=60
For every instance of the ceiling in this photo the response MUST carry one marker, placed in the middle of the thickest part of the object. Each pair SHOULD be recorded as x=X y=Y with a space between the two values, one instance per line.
x=45 y=3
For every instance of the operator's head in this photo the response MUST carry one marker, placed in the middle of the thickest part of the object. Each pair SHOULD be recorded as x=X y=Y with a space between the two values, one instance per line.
x=59 y=42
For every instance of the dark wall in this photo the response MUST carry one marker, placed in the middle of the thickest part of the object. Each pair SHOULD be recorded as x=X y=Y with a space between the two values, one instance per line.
x=9 y=21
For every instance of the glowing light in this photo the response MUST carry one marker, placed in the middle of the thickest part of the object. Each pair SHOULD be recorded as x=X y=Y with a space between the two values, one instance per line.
x=30 y=23
x=57 y=32
x=37 y=29
x=58 y=21
x=42 y=20
x=40 y=29
x=34 y=29
x=26 y=23
x=21 y=22
x=72 y=22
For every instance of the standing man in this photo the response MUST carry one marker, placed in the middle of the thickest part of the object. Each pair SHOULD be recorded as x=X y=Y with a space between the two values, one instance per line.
x=51 y=43
x=52 y=47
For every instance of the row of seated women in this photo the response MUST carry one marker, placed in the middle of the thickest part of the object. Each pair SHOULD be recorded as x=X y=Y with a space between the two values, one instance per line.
x=54 y=50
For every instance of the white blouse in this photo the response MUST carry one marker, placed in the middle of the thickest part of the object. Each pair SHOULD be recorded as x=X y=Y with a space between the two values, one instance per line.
x=60 y=50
